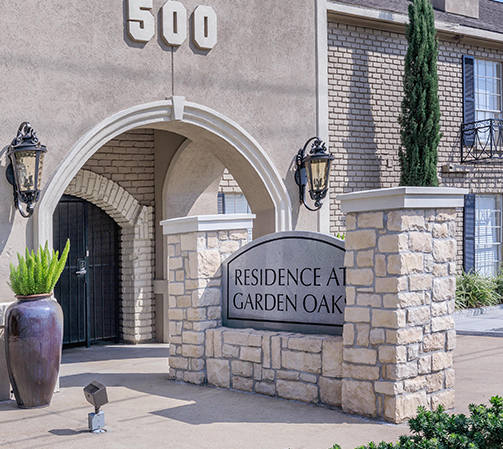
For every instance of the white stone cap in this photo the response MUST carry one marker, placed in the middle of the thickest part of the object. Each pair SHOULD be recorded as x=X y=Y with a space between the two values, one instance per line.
x=402 y=198
x=203 y=223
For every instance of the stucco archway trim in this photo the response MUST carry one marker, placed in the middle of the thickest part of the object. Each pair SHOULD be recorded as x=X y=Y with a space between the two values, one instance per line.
x=149 y=114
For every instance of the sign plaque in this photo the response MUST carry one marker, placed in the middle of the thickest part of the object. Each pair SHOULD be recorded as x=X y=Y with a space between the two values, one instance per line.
x=289 y=281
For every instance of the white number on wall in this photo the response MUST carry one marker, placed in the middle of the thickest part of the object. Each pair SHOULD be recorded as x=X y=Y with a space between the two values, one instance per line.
x=140 y=23
x=174 y=23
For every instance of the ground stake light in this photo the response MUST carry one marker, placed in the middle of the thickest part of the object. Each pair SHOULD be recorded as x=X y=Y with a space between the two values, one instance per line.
x=24 y=172
x=96 y=395
x=313 y=170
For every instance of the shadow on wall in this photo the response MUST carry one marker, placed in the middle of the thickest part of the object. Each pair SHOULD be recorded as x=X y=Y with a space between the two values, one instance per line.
x=8 y=210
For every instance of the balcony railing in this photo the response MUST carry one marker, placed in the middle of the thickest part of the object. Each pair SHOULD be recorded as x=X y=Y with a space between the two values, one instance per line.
x=482 y=141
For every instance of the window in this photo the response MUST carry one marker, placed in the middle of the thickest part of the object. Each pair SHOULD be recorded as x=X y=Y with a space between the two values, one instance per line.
x=483 y=234
x=233 y=203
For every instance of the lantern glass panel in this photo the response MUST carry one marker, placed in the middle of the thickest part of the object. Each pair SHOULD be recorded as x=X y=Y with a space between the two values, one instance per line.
x=25 y=166
x=317 y=174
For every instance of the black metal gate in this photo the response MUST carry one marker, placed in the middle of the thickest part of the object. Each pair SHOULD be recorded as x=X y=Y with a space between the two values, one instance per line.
x=88 y=289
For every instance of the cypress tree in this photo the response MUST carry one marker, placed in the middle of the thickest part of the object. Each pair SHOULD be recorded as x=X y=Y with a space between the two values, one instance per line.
x=420 y=116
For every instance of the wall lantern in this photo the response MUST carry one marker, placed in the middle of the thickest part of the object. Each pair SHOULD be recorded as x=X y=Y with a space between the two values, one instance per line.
x=313 y=170
x=25 y=169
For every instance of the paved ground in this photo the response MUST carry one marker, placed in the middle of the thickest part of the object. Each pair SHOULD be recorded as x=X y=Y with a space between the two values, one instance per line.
x=486 y=321
x=148 y=411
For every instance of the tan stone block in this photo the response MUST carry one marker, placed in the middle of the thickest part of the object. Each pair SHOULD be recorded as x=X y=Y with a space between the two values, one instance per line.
x=390 y=301
x=404 y=336
x=418 y=315
x=439 y=308
x=176 y=288
x=358 y=397
x=195 y=338
x=369 y=299
x=288 y=375
x=229 y=246
x=192 y=350
x=236 y=337
x=424 y=364
x=441 y=361
x=208 y=262
x=268 y=374
x=356 y=314
x=440 y=269
x=440 y=231
x=401 y=220
x=445 y=398
x=359 y=276
x=196 y=314
x=446 y=215
x=351 y=221
x=420 y=242
x=301 y=361
x=230 y=351
x=388 y=388
x=349 y=259
x=450 y=378
x=251 y=354
x=380 y=265
x=371 y=220
x=362 y=334
x=197 y=364
x=254 y=339
x=451 y=340
x=391 y=319
x=420 y=282
x=276 y=352
x=193 y=378
x=297 y=390
x=390 y=284
x=356 y=240
x=218 y=372
x=238 y=235
x=206 y=297
x=330 y=391
x=444 y=288
x=442 y=323
x=331 y=357
x=188 y=242
x=178 y=362
x=348 y=334
x=365 y=258
x=240 y=368
x=306 y=344
x=393 y=243
x=209 y=343
x=400 y=408
x=267 y=388
x=377 y=336
x=361 y=372
x=433 y=342
x=444 y=250
x=242 y=383
x=415 y=384
x=360 y=355
x=310 y=378
x=405 y=263
x=435 y=382
x=392 y=354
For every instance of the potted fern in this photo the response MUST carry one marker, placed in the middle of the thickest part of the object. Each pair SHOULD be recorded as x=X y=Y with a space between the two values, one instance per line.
x=34 y=326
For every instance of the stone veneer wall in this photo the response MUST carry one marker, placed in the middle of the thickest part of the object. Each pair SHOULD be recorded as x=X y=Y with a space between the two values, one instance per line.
x=399 y=332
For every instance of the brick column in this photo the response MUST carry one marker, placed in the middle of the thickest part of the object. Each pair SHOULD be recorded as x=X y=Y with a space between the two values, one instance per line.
x=399 y=332
x=197 y=246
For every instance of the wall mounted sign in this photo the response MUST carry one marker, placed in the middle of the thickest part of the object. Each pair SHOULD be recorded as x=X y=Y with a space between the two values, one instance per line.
x=173 y=27
x=290 y=281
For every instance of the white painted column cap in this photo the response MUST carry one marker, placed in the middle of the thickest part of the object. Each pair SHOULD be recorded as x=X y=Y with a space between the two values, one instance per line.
x=204 y=223
x=403 y=198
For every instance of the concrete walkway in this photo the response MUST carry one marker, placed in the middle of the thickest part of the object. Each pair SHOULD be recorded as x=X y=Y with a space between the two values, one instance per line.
x=486 y=321
x=146 y=410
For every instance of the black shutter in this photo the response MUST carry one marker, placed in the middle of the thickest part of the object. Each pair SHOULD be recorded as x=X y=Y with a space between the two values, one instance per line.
x=469 y=233
x=221 y=203
x=468 y=98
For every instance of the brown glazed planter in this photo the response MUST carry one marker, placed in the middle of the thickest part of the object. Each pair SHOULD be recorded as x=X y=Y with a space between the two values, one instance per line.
x=33 y=342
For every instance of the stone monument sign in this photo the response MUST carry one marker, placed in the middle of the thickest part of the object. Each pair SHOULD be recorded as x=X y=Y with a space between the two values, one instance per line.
x=289 y=281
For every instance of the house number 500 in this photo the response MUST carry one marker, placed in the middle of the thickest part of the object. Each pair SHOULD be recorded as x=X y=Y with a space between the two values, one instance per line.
x=141 y=25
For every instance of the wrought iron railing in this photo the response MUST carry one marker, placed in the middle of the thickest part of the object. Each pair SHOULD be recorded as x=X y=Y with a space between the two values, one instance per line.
x=482 y=141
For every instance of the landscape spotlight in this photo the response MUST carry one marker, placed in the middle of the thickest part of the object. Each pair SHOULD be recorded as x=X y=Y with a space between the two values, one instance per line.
x=96 y=395
x=313 y=170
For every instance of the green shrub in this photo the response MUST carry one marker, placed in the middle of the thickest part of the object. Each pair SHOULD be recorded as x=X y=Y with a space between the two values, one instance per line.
x=483 y=429
x=37 y=273
x=474 y=290
x=499 y=287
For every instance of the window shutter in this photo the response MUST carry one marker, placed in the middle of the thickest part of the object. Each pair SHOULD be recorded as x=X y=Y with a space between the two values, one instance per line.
x=468 y=97
x=469 y=233
x=221 y=203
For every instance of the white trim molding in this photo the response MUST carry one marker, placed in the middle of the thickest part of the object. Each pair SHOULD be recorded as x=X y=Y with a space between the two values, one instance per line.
x=207 y=223
x=146 y=115
x=403 y=198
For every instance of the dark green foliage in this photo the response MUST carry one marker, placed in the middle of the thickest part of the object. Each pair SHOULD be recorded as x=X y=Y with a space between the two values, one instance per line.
x=37 y=273
x=474 y=290
x=483 y=429
x=420 y=116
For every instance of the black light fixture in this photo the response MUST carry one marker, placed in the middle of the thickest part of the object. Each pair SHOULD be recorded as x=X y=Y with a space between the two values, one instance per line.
x=25 y=169
x=313 y=169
